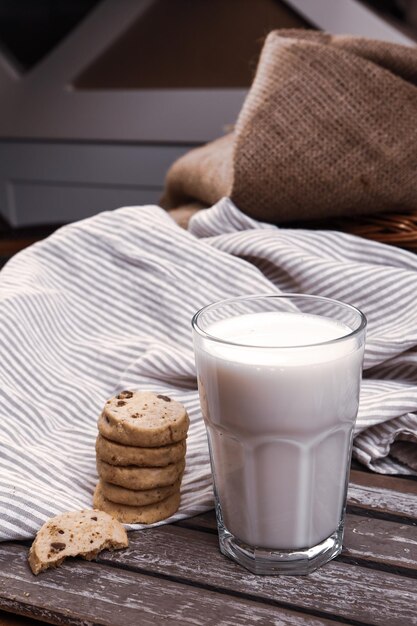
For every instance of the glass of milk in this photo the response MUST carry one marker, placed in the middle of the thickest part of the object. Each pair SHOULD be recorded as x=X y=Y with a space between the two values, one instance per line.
x=279 y=380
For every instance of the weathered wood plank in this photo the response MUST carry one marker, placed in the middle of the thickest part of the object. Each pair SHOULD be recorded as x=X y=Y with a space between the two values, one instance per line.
x=83 y=593
x=366 y=539
x=7 y=619
x=378 y=541
x=348 y=591
x=204 y=521
x=383 y=494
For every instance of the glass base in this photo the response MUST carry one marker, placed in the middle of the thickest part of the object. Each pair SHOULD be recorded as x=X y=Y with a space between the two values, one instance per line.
x=275 y=562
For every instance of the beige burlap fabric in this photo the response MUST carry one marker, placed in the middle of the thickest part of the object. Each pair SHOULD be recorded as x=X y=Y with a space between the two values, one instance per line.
x=329 y=128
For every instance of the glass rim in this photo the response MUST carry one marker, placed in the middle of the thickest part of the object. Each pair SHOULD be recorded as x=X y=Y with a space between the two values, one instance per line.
x=294 y=296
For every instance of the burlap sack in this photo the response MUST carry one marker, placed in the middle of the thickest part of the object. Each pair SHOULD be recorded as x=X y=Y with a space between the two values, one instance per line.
x=329 y=128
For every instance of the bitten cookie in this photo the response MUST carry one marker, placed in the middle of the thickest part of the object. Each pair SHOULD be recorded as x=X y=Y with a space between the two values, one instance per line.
x=142 y=478
x=119 y=454
x=137 y=514
x=77 y=533
x=121 y=495
x=142 y=418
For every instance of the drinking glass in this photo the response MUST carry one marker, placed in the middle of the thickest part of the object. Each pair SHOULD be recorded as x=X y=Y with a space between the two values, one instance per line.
x=279 y=379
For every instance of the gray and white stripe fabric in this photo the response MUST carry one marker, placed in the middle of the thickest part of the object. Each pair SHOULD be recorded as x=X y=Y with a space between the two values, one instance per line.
x=105 y=304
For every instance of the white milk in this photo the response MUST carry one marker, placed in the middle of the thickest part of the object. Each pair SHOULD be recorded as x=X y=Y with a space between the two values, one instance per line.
x=280 y=424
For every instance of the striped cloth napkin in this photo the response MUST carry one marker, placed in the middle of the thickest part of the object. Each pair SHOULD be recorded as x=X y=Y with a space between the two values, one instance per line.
x=105 y=304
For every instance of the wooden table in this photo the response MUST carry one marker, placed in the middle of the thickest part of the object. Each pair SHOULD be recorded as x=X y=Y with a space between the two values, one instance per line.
x=175 y=574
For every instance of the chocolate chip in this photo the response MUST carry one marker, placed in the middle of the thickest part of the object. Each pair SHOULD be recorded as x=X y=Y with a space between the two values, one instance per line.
x=107 y=419
x=125 y=394
x=61 y=532
x=121 y=403
x=94 y=518
x=58 y=546
x=164 y=398
x=137 y=415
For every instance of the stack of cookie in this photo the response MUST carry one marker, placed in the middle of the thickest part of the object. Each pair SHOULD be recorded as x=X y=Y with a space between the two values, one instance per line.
x=140 y=457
